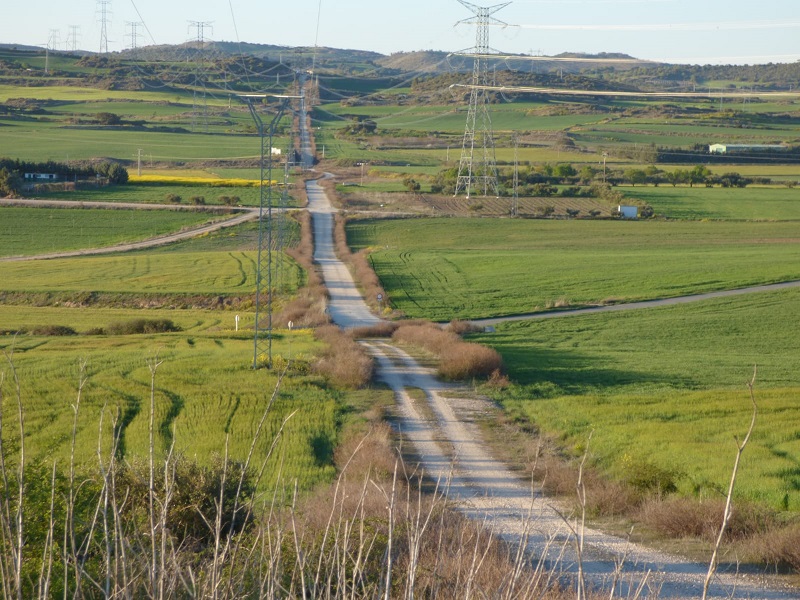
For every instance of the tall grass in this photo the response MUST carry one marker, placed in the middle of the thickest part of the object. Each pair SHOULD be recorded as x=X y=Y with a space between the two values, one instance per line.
x=307 y=308
x=361 y=266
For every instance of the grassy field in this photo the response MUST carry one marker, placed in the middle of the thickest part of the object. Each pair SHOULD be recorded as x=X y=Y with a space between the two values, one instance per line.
x=28 y=231
x=746 y=204
x=469 y=268
x=48 y=141
x=206 y=393
x=665 y=387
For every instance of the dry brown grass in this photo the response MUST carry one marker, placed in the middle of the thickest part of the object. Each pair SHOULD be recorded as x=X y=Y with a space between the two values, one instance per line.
x=678 y=517
x=777 y=547
x=457 y=359
x=307 y=308
x=384 y=329
x=360 y=266
x=344 y=363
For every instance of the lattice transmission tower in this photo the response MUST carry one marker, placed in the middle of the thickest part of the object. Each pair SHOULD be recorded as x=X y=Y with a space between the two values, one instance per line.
x=199 y=100
x=477 y=169
x=104 y=13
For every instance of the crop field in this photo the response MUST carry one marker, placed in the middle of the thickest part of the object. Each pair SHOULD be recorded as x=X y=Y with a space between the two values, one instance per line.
x=206 y=391
x=469 y=268
x=28 y=231
x=740 y=204
x=170 y=273
x=665 y=387
x=51 y=142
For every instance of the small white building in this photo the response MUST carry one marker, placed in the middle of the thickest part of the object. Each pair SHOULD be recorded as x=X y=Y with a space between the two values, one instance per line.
x=628 y=212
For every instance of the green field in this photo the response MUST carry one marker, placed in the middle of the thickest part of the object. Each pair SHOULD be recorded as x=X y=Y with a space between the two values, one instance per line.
x=207 y=391
x=666 y=387
x=29 y=231
x=470 y=268
x=746 y=204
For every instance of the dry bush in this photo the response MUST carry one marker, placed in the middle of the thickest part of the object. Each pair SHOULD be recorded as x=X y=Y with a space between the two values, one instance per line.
x=428 y=336
x=464 y=361
x=457 y=359
x=778 y=547
x=307 y=308
x=463 y=327
x=384 y=329
x=692 y=518
x=344 y=363
x=360 y=266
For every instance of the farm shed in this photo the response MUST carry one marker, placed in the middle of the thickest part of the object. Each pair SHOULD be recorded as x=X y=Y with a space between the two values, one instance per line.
x=735 y=148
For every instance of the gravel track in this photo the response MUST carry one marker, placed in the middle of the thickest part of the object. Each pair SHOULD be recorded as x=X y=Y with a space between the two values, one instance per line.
x=444 y=436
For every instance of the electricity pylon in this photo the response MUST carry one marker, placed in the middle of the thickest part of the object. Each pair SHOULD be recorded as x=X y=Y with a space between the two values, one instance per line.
x=262 y=329
x=477 y=168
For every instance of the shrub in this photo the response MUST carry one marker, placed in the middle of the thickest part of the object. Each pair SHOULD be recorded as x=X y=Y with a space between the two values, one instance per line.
x=780 y=548
x=344 y=363
x=141 y=326
x=229 y=200
x=197 y=200
x=383 y=329
x=692 y=518
x=173 y=198
x=53 y=330
x=457 y=359
x=648 y=477
x=195 y=495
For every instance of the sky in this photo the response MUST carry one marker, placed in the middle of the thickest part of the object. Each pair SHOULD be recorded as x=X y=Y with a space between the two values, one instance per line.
x=676 y=31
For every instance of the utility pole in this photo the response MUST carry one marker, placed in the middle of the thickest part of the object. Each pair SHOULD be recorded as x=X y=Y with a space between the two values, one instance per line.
x=481 y=170
x=104 y=11
x=139 y=163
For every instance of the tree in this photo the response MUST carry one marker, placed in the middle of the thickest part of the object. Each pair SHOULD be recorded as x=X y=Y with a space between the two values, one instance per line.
x=698 y=175
x=10 y=182
x=107 y=118
x=412 y=185
x=635 y=176
x=563 y=171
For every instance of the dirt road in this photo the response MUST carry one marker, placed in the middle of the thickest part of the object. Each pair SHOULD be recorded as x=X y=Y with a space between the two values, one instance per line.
x=443 y=434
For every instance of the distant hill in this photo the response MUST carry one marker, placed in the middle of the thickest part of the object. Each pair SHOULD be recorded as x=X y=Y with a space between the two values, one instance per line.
x=21 y=48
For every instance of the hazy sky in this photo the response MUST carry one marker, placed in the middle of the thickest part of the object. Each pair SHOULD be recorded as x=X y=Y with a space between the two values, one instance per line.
x=687 y=31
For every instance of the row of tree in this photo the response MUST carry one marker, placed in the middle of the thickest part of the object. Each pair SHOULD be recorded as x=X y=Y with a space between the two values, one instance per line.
x=542 y=180
x=12 y=173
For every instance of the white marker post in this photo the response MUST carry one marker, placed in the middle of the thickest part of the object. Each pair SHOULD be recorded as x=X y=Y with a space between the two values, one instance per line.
x=237 y=322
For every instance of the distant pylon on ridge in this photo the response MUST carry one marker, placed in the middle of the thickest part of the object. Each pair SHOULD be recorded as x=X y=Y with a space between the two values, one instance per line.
x=479 y=171
x=105 y=13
